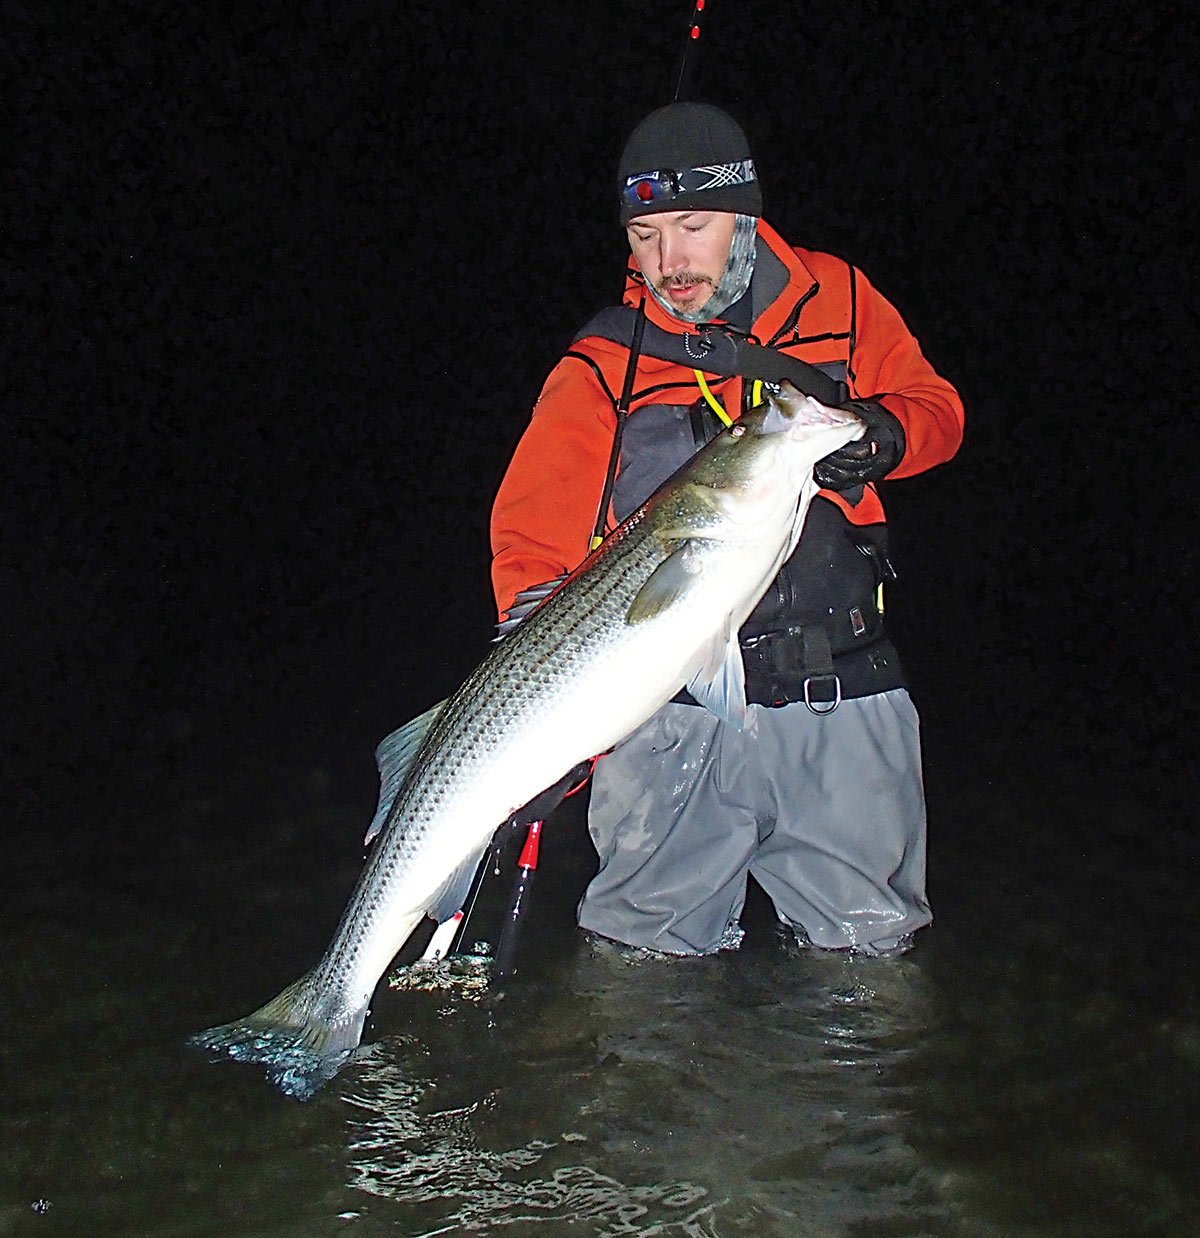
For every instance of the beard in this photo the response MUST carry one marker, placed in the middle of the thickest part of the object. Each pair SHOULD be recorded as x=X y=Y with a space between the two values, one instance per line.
x=719 y=293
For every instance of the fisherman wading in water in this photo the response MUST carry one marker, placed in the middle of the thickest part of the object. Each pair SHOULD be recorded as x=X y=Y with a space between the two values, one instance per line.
x=814 y=787
x=820 y=799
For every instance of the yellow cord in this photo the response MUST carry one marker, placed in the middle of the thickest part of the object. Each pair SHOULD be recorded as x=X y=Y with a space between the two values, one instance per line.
x=711 y=400
x=716 y=407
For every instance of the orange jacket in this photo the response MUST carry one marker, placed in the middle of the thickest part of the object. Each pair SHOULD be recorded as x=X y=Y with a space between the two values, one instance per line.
x=545 y=509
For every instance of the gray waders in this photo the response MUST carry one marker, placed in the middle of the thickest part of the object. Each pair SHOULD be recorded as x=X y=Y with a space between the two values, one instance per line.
x=826 y=812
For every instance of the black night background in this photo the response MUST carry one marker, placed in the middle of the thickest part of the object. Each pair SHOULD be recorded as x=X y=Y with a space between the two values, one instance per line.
x=281 y=284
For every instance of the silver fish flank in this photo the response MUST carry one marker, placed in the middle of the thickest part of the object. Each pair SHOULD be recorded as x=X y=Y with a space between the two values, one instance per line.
x=656 y=607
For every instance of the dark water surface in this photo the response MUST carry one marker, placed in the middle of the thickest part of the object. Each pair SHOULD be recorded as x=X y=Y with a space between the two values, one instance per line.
x=1030 y=1068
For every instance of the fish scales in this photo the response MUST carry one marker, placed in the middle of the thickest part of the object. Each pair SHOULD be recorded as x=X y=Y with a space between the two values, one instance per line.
x=570 y=681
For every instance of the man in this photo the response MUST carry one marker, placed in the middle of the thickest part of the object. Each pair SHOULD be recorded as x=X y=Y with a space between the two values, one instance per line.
x=821 y=800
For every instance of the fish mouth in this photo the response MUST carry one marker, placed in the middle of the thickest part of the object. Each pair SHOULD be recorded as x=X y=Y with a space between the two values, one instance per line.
x=788 y=408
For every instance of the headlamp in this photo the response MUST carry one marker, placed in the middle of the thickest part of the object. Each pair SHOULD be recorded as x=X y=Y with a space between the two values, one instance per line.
x=665 y=184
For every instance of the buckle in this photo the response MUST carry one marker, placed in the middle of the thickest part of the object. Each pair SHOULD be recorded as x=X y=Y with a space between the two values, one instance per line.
x=820 y=707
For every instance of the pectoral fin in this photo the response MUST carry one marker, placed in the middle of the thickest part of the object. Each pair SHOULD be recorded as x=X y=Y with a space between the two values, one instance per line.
x=669 y=581
x=452 y=894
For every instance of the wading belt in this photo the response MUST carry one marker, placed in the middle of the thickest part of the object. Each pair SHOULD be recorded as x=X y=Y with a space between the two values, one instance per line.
x=793 y=664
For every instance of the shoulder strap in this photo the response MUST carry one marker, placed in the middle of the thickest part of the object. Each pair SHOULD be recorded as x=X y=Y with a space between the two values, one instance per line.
x=715 y=351
x=621 y=411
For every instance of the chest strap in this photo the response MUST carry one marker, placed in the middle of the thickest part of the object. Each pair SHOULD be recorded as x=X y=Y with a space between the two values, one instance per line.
x=717 y=351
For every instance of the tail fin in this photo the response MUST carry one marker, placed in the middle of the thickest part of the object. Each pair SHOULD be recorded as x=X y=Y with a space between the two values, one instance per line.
x=301 y=1049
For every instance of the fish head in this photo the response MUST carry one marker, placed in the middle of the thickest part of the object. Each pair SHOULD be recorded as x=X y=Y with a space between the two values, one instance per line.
x=778 y=442
x=787 y=410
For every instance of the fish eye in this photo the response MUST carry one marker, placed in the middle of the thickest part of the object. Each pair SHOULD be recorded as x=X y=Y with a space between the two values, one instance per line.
x=736 y=431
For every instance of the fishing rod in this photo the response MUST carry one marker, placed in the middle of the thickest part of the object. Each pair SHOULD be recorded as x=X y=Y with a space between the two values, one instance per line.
x=527 y=864
x=449 y=933
x=506 y=948
x=683 y=77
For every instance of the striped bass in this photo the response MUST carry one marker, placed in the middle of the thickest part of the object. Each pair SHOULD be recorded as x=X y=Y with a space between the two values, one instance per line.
x=655 y=607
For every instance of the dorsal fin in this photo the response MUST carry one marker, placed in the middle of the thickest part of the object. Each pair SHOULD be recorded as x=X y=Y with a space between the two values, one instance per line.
x=394 y=757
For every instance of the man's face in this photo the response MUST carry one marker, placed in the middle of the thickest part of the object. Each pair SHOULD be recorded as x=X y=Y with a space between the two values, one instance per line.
x=682 y=253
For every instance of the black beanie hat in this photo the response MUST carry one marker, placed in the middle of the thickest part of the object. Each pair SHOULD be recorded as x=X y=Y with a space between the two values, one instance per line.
x=687 y=156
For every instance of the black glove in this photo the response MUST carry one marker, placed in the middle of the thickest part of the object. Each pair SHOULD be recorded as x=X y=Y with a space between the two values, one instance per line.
x=866 y=459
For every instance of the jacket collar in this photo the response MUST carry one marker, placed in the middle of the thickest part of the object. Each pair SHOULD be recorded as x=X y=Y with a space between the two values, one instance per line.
x=775 y=264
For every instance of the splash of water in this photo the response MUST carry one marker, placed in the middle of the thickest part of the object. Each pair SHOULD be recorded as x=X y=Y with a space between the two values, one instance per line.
x=462 y=975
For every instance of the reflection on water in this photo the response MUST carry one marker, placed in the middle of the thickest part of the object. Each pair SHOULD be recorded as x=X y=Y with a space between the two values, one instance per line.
x=445 y=1164
x=434 y=1162
x=464 y=975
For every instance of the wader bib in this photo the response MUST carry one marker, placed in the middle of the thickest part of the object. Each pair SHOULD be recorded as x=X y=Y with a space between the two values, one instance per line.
x=821 y=799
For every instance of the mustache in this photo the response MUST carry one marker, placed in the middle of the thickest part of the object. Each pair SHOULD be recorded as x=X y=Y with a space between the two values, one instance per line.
x=683 y=279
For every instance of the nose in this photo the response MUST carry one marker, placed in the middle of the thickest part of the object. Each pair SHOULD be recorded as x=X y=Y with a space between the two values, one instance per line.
x=672 y=253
